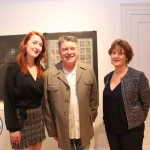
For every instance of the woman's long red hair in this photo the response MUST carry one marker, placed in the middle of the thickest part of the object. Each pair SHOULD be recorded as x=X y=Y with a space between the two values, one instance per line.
x=22 y=56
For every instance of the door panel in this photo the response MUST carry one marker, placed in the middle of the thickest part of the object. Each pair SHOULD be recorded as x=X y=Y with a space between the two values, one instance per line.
x=136 y=30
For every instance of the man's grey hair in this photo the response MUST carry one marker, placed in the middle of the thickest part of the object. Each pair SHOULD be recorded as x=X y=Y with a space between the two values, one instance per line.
x=66 y=38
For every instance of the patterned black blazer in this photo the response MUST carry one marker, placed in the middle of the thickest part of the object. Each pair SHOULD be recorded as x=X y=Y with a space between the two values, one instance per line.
x=136 y=96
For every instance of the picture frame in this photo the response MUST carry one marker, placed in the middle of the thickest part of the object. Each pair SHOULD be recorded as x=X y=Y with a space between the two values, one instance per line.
x=87 y=43
x=9 y=47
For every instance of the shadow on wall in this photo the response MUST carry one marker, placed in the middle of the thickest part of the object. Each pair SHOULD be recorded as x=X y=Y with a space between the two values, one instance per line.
x=100 y=139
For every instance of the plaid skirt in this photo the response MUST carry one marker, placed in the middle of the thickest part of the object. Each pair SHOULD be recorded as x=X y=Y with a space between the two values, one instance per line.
x=33 y=130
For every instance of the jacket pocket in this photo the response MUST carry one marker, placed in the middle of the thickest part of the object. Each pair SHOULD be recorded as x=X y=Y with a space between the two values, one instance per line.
x=135 y=109
x=136 y=114
x=53 y=92
x=88 y=83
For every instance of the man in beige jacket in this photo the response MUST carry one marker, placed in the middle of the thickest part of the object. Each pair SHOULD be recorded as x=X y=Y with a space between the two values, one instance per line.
x=70 y=98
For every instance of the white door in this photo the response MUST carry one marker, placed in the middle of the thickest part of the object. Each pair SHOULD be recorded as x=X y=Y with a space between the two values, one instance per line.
x=136 y=28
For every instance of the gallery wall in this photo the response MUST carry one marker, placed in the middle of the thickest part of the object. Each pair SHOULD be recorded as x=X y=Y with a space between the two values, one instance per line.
x=52 y=16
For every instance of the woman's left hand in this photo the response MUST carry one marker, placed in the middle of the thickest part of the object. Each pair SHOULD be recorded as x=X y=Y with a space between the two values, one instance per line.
x=15 y=137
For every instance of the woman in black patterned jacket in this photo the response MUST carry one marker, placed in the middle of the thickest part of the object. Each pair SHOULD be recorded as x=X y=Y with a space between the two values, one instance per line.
x=126 y=100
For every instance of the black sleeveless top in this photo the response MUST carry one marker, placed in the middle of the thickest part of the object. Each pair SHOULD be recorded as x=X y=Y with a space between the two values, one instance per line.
x=113 y=110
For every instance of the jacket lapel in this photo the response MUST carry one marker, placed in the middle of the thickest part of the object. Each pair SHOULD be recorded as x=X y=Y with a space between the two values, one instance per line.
x=59 y=71
x=80 y=69
x=60 y=74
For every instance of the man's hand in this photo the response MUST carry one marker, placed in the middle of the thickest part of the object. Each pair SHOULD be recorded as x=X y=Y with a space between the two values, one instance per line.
x=56 y=138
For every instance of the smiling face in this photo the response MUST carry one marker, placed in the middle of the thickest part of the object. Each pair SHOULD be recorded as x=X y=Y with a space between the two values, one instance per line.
x=68 y=52
x=118 y=57
x=34 y=46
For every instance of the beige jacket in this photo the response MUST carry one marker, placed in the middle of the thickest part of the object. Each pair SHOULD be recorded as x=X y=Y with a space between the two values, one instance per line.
x=57 y=99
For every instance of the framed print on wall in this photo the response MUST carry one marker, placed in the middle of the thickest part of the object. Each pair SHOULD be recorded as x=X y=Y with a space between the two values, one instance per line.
x=9 y=47
x=87 y=43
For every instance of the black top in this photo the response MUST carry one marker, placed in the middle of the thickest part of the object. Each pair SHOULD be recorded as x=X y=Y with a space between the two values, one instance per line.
x=113 y=109
x=20 y=91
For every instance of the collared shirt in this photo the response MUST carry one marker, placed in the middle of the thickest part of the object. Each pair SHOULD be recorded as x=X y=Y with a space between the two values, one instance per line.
x=74 y=124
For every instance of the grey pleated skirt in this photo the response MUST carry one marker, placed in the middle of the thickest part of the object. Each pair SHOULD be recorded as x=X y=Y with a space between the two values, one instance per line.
x=33 y=130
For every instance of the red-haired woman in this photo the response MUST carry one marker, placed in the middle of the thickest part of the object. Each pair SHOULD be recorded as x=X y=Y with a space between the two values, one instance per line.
x=23 y=92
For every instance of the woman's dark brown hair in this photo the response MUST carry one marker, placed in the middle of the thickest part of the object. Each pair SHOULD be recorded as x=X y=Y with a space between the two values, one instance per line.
x=123 y=45
x=22 y=56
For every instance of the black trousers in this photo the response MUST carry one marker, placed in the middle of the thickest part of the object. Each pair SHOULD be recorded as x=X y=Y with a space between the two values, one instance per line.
x=133 y=140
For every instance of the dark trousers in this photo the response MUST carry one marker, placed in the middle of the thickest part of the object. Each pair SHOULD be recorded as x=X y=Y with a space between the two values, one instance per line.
x=133 y=140
x=76 y=144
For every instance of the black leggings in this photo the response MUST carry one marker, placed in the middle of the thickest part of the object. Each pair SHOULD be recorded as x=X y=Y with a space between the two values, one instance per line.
x=133 y=140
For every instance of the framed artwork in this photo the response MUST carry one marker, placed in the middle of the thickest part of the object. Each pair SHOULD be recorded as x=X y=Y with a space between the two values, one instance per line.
x=9 y=47
x=87 y=43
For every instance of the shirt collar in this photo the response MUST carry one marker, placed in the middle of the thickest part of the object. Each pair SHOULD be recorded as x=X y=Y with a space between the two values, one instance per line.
x=72 y=73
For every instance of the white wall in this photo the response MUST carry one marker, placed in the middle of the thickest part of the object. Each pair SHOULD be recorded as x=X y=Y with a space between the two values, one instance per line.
x=103 y=16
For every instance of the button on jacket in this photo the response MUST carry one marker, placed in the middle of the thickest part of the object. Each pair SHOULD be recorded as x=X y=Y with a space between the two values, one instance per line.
x=57 y=101
x=136 y=96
